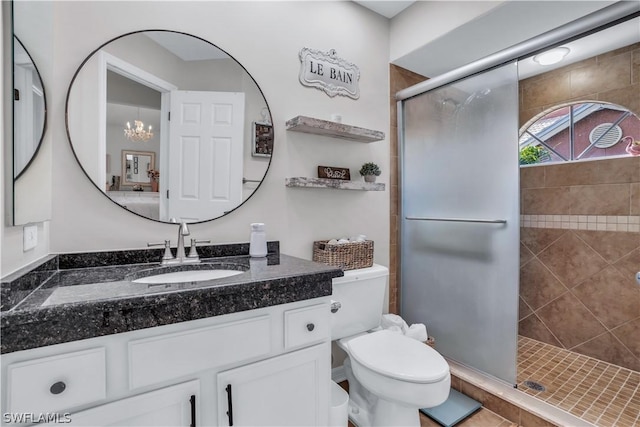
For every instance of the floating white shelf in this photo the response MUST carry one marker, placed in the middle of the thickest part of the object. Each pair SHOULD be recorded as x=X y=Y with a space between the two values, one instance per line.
x=333 y=129
x=336 y=184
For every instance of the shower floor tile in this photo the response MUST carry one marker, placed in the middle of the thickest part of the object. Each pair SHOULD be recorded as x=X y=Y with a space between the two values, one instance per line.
x=599 y=392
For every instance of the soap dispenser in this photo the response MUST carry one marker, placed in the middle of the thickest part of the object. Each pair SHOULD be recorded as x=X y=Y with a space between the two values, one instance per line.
x=258 y=241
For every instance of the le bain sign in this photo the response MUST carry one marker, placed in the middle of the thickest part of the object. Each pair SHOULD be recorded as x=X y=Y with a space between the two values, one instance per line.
x=327 y=72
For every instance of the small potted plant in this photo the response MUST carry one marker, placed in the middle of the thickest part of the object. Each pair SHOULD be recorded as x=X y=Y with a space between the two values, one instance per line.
x=370 y=171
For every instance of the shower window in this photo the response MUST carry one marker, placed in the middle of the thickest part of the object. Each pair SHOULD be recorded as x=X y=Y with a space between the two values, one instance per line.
x=578 y=131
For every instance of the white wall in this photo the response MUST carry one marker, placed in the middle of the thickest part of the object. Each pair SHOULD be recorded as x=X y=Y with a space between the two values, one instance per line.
x=266 y=38
x=425 y=21
x=431 y=38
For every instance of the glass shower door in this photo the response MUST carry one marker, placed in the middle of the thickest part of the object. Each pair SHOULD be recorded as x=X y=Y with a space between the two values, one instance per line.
x=460 y=218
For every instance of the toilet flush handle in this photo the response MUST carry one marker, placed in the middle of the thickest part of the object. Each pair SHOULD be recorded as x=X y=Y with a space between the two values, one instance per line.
x=335 y=306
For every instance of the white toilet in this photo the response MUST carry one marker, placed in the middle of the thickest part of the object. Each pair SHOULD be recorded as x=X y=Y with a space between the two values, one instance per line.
x=390 y=375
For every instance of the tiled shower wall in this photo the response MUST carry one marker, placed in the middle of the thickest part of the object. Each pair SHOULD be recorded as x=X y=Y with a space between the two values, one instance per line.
x=611 y=77
x=580 y=245
x=577 y=277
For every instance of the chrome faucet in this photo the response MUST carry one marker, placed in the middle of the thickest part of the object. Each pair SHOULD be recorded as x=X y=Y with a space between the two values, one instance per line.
x=183 y=230
x=181 y=256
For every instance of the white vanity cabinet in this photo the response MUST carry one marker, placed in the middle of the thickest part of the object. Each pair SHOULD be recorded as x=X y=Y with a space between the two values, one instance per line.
x=54 y=383
x=276 y=361
x=171 y=406
x=288 y=390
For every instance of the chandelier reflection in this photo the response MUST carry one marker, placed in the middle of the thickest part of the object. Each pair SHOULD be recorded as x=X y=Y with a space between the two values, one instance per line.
x=138 y=133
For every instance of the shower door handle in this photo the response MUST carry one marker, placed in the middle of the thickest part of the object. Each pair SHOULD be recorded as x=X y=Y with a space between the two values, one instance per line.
x=482 y=221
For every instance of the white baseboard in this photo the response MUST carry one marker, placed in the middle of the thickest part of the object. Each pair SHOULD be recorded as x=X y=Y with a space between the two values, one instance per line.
x=338 y=375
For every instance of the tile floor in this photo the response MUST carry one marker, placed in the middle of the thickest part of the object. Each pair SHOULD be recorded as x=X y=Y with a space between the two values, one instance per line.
x=481 y=418
x=598 y=392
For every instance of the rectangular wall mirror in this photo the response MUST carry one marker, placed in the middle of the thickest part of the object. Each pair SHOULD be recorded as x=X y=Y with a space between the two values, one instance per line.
x=136 y=166
x=29 y=166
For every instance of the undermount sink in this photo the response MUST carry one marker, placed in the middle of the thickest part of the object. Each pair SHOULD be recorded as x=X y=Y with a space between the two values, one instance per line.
x=188 y=276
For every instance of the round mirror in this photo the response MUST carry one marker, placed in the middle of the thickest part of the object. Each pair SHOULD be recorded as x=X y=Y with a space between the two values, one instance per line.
x=169 y=126
x=29 y=109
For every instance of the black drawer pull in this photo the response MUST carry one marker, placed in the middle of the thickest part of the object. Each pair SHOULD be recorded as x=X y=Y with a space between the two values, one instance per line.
x=192 y=402
x=230 y=405
x=310 y=327
x=58 y=387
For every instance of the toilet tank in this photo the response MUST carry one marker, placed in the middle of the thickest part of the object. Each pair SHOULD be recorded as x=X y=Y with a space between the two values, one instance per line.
x=361 y=296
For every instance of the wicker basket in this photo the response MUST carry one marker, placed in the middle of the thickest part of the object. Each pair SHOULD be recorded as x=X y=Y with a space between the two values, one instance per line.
x=347 y=256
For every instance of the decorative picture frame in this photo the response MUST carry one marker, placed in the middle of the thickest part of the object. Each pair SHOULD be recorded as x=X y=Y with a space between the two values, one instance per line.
x=261 y=139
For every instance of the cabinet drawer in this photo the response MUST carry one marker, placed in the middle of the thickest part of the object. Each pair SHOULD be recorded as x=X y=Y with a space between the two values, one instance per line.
x=171 y=356
x=56 y=383
x=305 y=326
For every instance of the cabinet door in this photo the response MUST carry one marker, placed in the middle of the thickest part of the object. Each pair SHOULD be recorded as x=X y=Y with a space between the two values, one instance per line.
x=288 y=390
x=170 y=406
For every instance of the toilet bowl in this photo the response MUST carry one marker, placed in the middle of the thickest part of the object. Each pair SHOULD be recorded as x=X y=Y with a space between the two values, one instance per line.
x=394 y=377
x=390 y=375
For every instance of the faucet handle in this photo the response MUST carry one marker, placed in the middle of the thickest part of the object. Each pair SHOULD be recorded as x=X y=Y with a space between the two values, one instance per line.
x=193 y=252
x=167 y=249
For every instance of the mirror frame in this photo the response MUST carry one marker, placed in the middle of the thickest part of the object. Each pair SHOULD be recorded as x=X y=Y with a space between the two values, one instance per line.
x=104 y=193
x=13 y=122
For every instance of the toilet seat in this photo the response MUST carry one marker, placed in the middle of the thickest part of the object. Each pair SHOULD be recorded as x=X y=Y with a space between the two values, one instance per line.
x=396 y=356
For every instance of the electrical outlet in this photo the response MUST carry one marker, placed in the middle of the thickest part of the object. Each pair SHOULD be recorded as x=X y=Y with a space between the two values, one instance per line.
x=29 y=237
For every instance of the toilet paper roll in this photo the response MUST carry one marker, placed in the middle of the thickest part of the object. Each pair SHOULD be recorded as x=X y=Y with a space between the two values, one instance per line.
x=389 y=320
x=417 y=331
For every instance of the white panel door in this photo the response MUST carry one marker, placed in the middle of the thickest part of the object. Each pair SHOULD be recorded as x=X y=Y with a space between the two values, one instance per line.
x=205 y=154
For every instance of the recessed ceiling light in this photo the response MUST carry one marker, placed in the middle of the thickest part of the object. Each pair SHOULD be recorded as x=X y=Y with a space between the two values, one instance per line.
x=552 y=56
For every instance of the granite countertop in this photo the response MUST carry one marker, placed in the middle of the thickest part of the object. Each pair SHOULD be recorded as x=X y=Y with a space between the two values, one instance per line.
x=67 y=299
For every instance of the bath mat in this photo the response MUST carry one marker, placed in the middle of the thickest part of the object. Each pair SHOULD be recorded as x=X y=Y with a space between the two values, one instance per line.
x=455 y=409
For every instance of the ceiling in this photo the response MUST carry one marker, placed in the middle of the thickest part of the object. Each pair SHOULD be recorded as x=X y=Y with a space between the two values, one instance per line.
x=387 y=9
x=186 y=48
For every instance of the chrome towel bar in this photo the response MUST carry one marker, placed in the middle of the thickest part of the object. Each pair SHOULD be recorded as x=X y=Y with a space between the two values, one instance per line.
x=483 y=221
